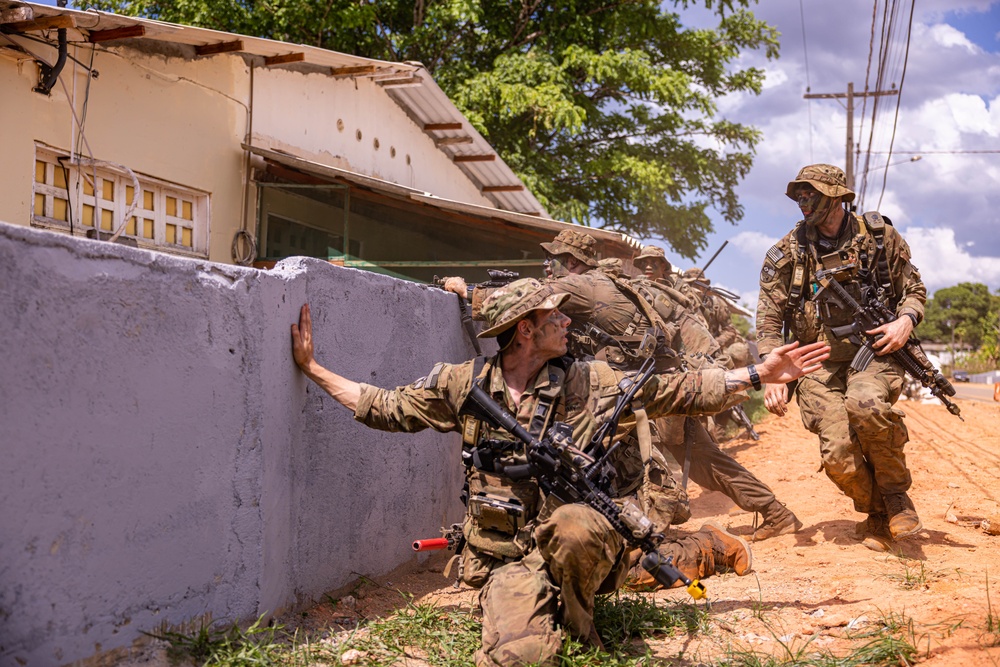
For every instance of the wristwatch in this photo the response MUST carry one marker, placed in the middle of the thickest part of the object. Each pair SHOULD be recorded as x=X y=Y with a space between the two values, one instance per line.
x=754 y=378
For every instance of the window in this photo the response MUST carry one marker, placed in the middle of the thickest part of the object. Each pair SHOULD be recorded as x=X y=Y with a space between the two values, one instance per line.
x=86 y=200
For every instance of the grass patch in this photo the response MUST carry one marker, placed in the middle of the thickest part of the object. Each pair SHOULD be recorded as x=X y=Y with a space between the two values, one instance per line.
x=890 y=644
x=914 y=575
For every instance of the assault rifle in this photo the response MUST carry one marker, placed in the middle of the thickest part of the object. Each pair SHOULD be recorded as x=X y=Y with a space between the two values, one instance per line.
x=571 y=476
x=870 y=314
x=740 y=415
x=452 y=539
x=497 y=278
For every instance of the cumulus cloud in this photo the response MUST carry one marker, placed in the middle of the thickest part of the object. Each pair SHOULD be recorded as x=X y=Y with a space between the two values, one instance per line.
x=944 y=262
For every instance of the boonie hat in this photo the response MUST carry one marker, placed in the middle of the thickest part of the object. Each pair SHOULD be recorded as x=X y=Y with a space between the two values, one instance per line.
x=507 y=305
x=652 y=252
x=826 y=178
x=580 y=245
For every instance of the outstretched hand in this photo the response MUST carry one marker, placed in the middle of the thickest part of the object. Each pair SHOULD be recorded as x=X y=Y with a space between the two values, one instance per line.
x=790 y=362
x=302 y=345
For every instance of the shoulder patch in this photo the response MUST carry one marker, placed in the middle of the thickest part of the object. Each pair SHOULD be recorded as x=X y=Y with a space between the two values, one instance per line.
x=431 y=380
x=767 y=273
x=775 y=254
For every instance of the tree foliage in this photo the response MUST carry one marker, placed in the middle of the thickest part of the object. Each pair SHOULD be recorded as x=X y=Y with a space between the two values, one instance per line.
x=968 y=309
x=604 y=108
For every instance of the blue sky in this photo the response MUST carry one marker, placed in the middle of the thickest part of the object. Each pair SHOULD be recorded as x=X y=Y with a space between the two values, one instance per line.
x=946 y=204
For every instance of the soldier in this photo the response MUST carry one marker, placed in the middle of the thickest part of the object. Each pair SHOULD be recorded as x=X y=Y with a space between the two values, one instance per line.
x=717 y=315
x=688 y=439
x=618 y=310
x=861 y=434
x=540 y=565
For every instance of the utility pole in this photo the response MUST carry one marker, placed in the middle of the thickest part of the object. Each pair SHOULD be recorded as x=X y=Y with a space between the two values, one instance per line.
x=850 y=95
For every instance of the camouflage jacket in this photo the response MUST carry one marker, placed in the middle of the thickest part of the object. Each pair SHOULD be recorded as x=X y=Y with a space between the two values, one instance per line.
x=587 y=393
x=808 y=321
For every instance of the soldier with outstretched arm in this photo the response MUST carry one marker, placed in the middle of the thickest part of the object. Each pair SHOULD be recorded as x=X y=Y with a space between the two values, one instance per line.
x=540 y=564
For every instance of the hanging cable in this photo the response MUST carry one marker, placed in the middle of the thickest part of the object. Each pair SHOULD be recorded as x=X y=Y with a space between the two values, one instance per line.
x=805 y=52
x=906 y=58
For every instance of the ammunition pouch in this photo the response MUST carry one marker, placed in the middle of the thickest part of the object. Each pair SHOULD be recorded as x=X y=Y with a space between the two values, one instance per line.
x=500 y=515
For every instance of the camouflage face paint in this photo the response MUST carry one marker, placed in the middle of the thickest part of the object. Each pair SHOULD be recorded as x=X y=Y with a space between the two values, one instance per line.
x=815 y=206
x=555 y=266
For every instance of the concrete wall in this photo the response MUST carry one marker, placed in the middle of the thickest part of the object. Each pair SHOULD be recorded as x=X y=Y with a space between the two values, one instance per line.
x=163 y=457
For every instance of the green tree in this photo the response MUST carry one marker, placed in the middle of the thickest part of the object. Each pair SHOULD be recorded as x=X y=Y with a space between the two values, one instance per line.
x=604 y=108
x=962 y=309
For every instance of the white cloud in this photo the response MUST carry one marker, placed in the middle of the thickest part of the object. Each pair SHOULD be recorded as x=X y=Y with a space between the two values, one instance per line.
x=948 y=37
x=943 y=262
x=754 y=244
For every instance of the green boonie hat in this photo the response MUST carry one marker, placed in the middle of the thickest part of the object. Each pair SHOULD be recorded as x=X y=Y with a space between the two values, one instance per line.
x=507 y=305
x=826 y=178
x=580 y=245
x=652 y=252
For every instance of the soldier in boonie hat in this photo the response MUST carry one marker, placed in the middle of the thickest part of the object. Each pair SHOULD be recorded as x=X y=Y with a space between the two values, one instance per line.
x=508 y=305
x=579 y=245
x=819 y=189
x=653 y=262
x=825 y=178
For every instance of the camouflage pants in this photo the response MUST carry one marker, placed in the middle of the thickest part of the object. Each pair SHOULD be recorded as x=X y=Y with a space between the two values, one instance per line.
x=861 y=434
x=693 y=555
x=577 y=555
x=712 y=468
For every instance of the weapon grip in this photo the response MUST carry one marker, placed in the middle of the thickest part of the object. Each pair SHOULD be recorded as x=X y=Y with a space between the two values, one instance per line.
x=844 y=331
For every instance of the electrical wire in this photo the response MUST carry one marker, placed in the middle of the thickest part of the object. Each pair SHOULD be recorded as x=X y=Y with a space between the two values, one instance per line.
x=805 y=52
x=909 y=33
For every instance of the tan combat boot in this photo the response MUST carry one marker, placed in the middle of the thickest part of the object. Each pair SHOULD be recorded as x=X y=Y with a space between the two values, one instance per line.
x=729 y=552
x=778 y=520
x=874 y=532
x=903 y=519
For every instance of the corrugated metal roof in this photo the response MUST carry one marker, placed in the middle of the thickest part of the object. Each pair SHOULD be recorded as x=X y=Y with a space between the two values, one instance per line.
x=408 y=84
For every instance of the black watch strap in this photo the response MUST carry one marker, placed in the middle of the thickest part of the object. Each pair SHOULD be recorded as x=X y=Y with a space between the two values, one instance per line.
x=754 y=378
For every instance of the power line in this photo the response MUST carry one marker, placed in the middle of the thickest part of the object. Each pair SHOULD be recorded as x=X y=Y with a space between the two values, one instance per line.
x=902 y=79
x=805 y=52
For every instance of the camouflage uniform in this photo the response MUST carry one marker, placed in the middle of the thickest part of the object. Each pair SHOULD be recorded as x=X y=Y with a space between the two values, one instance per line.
x=541 y=565
x=595 y=297
x=861 y=434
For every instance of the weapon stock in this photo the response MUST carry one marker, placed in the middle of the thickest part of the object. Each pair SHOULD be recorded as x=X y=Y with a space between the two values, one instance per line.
x=568 y=474
x=872 y=315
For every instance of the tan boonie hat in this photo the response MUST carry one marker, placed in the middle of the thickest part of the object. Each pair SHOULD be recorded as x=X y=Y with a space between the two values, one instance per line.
x=694 y=274
x=826 y=178
x=507 y=305
x=652 y=252
x=580 y=245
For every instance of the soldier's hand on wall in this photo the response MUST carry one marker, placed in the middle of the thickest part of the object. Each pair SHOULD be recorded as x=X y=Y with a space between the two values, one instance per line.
x=894 y=335
x=302 y=345
x=455 y=284
x=776 y=399
x=790 y=362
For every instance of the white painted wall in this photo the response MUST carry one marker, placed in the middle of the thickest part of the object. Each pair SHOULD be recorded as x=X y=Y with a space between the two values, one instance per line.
x=163 y=457
x=183 y=120
x=329 y=114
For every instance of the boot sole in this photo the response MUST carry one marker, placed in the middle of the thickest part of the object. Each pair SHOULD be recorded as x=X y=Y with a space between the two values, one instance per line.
x=909 y=533
x=746 y=547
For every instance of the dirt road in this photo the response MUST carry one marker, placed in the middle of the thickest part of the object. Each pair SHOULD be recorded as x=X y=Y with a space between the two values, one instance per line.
x=810 y=586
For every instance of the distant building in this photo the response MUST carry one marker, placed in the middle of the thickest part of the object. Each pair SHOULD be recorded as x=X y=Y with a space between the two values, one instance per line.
x=245 y=150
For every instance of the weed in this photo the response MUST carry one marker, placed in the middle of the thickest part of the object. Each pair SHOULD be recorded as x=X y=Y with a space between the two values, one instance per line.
x=915 y=576
x=623 y=615
x=228 y=646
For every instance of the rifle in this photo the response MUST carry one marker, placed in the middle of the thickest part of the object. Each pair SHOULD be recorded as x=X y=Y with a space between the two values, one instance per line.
x=452 y=539
x=497 y=278
x=739 y=414
x=871 y=314
x=572 y=476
